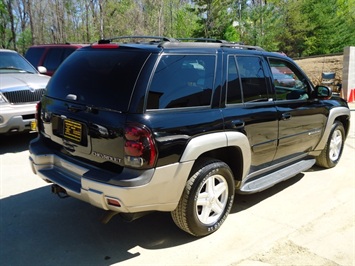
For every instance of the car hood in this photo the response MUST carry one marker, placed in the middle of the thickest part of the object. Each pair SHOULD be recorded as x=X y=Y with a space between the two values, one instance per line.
x=15 y=80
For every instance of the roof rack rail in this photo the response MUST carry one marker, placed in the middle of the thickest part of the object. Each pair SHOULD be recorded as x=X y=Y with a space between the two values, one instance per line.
x=242 y=46
x=167 y=41
x=201 y=40
x=157 y=38
x=223 y=43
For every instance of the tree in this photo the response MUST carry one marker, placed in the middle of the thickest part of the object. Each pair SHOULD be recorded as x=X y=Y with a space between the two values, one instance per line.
x=12 y=38
x=185 y=23
x=296 y=27
x=214 y=17
x=293 y=27
x=4 y=18
x=231 y=34
x=261 y=24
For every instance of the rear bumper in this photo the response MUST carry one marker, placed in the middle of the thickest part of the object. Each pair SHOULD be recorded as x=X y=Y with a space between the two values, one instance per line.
x=156 y=189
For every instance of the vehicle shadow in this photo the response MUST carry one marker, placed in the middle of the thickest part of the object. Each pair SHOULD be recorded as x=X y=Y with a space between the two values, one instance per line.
x=38 y=228
x=16 y=142
x=244 y=202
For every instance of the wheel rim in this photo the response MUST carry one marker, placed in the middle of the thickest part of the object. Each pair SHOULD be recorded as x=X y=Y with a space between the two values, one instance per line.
x=335 y=145
x=212 y=199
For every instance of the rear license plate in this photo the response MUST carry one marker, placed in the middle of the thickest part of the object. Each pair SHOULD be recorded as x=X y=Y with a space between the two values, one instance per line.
x=72 y=130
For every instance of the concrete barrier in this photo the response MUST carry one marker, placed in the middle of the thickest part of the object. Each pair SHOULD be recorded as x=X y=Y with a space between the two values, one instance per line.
x=348 y=89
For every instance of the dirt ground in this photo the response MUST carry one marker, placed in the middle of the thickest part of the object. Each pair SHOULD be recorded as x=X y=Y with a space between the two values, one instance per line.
x=315 y=66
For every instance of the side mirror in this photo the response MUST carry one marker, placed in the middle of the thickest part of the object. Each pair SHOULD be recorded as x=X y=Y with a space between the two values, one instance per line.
x=323 y=91
x=42 y=69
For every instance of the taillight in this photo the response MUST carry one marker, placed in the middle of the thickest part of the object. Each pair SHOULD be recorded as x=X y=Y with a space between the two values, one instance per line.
x=139 y=148
x=35 y=124
x=38 y=109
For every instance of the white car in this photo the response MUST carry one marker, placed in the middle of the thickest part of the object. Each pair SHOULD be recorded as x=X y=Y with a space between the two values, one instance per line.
x=21 y=87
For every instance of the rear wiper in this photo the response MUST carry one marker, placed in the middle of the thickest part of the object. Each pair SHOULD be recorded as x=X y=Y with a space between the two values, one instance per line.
x=92 y=109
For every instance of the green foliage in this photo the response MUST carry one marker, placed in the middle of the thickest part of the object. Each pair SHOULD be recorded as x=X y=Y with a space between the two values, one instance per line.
x=296 y=27
x=214 y=17
x=261 y=26
x=185 y=23
x=316 y=27
x=231 y=34
x=24 y=41
x=5 y=33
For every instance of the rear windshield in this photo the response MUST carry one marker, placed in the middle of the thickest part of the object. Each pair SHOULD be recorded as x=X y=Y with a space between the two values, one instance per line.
x=98 y=77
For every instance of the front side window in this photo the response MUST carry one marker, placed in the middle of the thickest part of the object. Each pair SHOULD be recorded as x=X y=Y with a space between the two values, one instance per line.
x=182 y=81
x=289 y=83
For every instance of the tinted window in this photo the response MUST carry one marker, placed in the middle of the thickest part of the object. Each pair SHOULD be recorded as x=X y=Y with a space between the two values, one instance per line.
x=53 y=58
x=233 y=83
x=289 y=83
x=253 y=80
x=33 y=55
x=102 y=78
x=67 y=52
x=182 y=81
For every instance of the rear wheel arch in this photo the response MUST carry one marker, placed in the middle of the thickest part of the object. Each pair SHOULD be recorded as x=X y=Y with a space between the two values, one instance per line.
x=231 y=148
x=232 y=156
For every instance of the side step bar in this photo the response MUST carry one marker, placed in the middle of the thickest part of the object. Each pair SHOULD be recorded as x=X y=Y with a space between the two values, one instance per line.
x=273 y=178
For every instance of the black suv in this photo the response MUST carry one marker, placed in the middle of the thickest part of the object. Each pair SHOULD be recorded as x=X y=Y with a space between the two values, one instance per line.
x=158 y=124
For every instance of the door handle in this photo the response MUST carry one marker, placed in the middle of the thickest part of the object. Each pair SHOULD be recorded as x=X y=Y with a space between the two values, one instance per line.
x=236 y=124
x=286 y=116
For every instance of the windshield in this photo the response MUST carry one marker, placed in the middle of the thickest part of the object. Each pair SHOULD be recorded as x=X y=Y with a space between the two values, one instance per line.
x=13 y=62
x=98 y=77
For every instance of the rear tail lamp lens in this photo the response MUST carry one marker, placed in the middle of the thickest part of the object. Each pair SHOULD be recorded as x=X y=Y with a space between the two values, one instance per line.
x=35 y=124
x=139 y=148
x=38 y=109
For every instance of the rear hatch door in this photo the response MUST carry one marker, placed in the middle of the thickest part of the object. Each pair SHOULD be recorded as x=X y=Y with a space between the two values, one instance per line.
x=84 y=109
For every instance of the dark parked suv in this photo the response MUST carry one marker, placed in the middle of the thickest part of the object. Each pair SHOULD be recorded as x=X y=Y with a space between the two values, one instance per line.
x=159 y=124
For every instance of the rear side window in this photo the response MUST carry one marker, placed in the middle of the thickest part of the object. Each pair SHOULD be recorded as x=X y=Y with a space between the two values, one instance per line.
x=33 y=55
x=182 y=81
x=98 y=78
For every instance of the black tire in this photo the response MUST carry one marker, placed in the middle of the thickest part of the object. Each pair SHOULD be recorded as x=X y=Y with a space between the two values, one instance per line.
x=333 y=150
x=207 y=198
